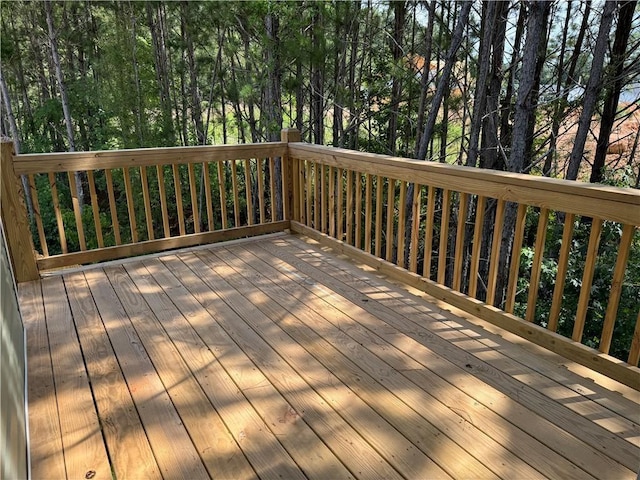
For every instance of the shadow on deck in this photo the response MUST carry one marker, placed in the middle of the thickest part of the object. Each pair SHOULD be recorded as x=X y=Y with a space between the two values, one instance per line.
x=275 y=358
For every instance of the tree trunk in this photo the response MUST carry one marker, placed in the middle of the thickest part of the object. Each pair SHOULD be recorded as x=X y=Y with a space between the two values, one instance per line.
x=15 y=135
x=317 y=74
x=616 y=82
x=524 y=117
x=273 y=96
x=53 y=40
x=426 y=75
x=489 y=9
x=492 y=154
x=559 y=104
x=456 y=40
x=591 y=92
x=397 y=50
x=506 y=106
x=158 y=41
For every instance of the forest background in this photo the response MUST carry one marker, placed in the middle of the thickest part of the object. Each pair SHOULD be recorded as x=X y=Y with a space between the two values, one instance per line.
x=539 y=87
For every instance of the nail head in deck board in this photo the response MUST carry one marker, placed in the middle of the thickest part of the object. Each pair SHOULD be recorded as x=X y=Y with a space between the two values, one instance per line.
x=174 y=453
x=84 y=449
x=129 y=450
x=47 y=458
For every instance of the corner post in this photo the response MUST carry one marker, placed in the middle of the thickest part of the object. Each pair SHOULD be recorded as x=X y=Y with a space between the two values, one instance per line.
x=290 y=178
x=15 y=220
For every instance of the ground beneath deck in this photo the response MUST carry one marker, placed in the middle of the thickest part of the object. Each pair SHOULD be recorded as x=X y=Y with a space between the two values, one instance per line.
x=273 y=358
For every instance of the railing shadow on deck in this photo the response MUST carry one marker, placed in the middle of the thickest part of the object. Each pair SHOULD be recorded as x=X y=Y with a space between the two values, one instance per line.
x=454 y=232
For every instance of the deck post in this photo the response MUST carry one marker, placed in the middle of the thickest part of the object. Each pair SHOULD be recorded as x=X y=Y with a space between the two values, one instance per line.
x=291 y=179
x=15 y=220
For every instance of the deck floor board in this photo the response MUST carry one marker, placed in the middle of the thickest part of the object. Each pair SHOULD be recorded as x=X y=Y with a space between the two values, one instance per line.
x=591 y=443
x=275 y=358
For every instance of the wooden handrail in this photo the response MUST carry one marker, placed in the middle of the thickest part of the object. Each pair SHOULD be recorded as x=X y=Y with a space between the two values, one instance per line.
x=611 y=203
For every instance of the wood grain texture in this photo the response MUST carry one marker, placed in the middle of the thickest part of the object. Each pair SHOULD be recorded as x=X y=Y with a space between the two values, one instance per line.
x=36 y=211
x=129 y=450
x=72 y=161
x=84 y=450
x=14 y=214
x=45 y=448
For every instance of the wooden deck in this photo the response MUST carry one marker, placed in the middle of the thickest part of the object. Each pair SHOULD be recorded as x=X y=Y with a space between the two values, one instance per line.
x=273 y=358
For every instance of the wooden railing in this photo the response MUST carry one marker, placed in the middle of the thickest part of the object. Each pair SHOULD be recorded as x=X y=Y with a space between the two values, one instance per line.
x=444 y=229
x=139 y=201
x=441 y=228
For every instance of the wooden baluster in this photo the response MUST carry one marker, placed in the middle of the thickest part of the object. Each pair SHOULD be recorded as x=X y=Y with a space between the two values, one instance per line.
x=247 y=191
x=208 y=196
x=357 y=214
x=193 y=192
x=463 y=202
x=130 y=205
x=95 y=208
x=147 y=202
x=391 y=199
x=563 y=262
x=323 y=200
x=340 y=206
x=112 y=208
x=534 y=282
x=350 y=212
x=379 y=189
x=163 y=201
x=316 y=198
x=415 y=228
x=309 y=192
x=36 y=211
x=428 y=231
x=477 y=244
x=222 y=189
x=402 y=215
x=236 y=198
x=260 y=175
x=495 y=252
x=287 y=185
x=444 y=236
x=587 y=278
x=634 y=352
x=367 y=214
x=272 y=189
x=177 y=184
x=301 y=191
x=515 y=259
x=332 y=202
x=616 y=288
x=77 y=211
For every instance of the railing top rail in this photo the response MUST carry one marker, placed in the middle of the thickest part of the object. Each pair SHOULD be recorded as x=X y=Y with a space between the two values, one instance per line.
x=602 y=201
x=72 y=161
